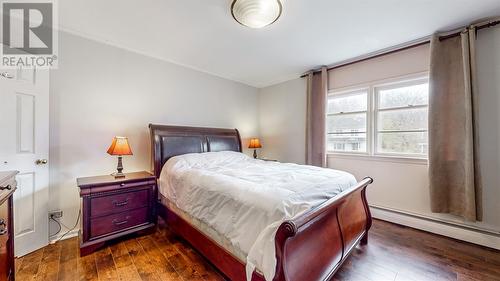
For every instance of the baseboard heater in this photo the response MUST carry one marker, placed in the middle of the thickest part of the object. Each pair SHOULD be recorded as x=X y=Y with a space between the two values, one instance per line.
x=439 y=221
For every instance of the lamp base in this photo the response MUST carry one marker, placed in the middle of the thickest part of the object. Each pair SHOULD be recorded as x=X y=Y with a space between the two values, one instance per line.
x=255 y=153
x=119 y=168
x=118 y=175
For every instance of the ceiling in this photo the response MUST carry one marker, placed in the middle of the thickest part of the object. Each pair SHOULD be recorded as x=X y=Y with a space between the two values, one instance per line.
x=201 y=34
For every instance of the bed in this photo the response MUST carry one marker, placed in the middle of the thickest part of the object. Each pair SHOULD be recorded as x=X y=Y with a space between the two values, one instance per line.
x=310 y=242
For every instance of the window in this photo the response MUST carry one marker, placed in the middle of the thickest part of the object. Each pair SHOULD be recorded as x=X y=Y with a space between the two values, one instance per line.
x=389 y=119
x=401 y=115
x=346 y=122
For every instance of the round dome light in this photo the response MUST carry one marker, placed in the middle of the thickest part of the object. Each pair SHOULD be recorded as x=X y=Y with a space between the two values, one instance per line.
x=256 y=13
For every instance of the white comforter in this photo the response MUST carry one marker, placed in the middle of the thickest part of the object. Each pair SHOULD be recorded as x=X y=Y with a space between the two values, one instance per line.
x=245 y=199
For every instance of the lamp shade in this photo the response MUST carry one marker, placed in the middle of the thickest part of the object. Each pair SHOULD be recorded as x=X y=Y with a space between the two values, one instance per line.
x=254 y=143
x=119 y=146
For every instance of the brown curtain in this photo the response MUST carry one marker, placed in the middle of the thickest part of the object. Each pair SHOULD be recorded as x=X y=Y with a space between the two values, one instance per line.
x=317 y=90
x=455 y=185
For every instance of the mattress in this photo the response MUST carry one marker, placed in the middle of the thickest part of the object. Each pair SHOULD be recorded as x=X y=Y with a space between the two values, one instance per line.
x=239 y=202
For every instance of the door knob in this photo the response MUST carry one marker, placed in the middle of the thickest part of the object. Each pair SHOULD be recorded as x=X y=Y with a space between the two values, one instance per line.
x=41 y=161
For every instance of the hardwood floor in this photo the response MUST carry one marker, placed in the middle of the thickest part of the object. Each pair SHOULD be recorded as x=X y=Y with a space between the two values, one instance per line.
x=393 y=253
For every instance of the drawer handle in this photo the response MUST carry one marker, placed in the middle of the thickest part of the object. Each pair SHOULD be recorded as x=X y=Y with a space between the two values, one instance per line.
x=4 y=230
x=122 y=184
x=117 y=222
x=120 y=204
x=8 y=187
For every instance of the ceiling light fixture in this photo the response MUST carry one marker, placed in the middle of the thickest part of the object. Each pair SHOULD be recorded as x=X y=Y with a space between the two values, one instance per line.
x=256 y=13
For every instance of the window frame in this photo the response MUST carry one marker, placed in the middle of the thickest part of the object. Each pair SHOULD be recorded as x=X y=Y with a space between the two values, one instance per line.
x=346 y=93
x=373 y=109
x=377 y=109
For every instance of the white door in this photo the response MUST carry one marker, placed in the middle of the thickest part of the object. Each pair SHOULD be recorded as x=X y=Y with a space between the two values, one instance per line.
x=24 y=146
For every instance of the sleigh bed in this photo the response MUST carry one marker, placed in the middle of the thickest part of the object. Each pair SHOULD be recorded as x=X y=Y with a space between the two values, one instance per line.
x=311 y=246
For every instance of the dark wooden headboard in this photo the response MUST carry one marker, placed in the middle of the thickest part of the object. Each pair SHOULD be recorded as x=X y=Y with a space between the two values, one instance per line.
x=170 y=141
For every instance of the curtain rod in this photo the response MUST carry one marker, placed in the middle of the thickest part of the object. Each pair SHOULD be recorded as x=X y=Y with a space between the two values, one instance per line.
x=402 y=47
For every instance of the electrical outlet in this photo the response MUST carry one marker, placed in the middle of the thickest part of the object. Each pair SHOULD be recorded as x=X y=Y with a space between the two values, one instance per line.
x=56 y=214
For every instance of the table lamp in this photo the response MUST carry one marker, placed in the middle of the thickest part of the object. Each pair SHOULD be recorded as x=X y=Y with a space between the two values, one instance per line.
x=119 y=147
x=254 y=143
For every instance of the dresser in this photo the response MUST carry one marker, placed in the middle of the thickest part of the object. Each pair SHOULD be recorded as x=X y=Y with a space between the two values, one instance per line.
x=114 y=207
x=7 y=188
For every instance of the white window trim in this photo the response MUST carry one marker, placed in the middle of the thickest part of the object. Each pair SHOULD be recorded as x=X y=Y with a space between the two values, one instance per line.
x=371 y=112
x=376 y=109
x=379 y=158
x=346 y=93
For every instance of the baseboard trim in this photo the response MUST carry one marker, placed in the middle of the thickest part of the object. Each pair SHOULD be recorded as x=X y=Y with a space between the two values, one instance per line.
x=70 y=234
x=434 y=226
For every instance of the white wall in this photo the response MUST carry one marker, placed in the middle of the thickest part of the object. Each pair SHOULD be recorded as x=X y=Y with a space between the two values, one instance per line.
x=414 y=60
x=282 y=123
x=398 y=185
x=100 y=91
x=489 y=121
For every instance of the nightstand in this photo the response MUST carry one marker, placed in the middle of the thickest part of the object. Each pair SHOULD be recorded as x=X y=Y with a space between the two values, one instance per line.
x=114 y=207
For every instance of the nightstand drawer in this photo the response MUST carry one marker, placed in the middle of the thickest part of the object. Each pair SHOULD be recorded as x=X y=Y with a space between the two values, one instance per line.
x=112 y=204
x=116 y=222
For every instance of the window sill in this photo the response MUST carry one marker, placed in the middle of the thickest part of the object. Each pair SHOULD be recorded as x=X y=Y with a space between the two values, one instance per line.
x=379 y=158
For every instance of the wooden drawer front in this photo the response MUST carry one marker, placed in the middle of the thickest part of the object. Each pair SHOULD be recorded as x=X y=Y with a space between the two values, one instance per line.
x=121 y=186
x=117 y=203
x=4 y=237
x=8 y=188
x=116 y=222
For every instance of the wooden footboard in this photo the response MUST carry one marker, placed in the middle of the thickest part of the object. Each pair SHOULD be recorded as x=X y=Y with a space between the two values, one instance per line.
x=310 y=247
x=314 y=245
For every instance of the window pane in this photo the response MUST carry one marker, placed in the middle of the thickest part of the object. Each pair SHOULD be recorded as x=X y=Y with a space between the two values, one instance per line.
x=404 y=96
x=403 y=119
x=350 y=103
x=347 y=142
x=347 y=123
x=403 y=143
